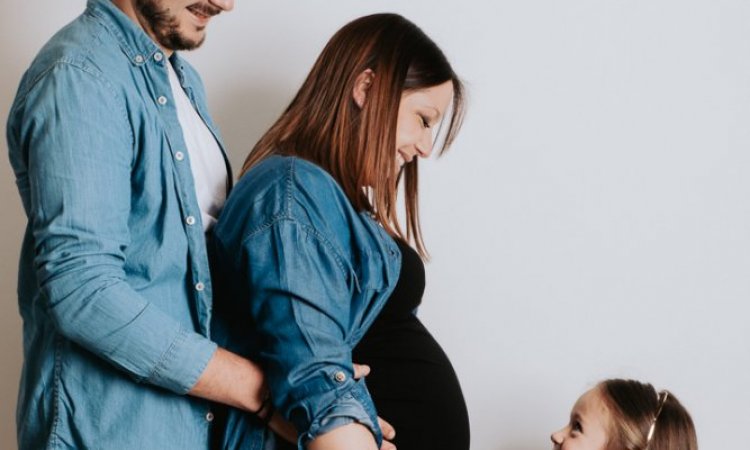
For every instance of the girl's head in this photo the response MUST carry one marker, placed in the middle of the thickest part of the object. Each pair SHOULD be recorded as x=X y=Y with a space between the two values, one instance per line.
x=627 y=415
x=370 y=107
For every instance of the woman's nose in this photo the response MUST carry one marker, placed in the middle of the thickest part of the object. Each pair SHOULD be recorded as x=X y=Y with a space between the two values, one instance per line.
x=424 y=147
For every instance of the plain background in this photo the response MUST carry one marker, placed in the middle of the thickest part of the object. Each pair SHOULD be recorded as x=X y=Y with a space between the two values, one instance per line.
x=592 y=220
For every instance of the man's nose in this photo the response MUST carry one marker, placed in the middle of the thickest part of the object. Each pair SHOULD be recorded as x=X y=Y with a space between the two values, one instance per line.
x=225 y=5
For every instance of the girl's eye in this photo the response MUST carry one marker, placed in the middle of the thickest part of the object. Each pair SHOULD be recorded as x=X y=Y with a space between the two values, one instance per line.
x=576 y=426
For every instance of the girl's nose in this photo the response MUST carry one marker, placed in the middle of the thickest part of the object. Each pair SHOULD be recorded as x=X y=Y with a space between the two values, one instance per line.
x=558 y=437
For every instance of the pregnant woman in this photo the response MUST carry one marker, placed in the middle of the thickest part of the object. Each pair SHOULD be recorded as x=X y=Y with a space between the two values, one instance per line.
x=309 y=253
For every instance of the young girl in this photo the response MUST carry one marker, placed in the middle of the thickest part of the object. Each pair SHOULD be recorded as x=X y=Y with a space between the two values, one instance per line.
x=627 y=415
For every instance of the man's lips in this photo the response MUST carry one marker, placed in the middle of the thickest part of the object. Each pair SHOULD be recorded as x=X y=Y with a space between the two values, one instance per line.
x=203 y=11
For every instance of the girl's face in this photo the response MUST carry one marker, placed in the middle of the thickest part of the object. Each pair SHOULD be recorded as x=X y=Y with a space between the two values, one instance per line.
x=588 y=425
x=419 y=114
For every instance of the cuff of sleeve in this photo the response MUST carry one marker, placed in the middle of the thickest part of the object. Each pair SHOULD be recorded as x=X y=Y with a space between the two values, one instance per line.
x=354 y=406
x=183 y=363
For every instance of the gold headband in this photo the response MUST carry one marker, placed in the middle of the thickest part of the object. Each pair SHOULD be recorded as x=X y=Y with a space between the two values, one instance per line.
x=662 y=399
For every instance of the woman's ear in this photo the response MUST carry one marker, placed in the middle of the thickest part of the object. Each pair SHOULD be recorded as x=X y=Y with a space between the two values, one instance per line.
x=362 y=86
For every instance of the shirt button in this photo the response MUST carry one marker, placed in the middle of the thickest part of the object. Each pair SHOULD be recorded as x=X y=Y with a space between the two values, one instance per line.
x=199 y=286
x=190 y=220
x=162 y=100
x=210 y=417
x=340 y=377
x=138 y=59
x=179 y=156
x=158 y=57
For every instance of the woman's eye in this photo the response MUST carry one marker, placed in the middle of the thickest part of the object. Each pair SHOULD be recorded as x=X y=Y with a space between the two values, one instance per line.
x=425 y=122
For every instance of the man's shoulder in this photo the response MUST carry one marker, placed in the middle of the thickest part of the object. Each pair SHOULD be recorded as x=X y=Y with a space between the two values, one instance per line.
x=77 y=62
x=80 y=43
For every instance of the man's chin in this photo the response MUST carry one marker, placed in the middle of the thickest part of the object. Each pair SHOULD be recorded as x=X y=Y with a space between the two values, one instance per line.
x=183 y=41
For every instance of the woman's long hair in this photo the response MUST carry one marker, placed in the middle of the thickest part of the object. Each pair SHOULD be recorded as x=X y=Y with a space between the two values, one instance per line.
x=644 y=419
x=357 y=145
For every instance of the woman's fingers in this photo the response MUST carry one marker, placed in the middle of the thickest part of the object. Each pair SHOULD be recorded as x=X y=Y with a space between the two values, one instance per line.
x=361 y=370
x=388 y=431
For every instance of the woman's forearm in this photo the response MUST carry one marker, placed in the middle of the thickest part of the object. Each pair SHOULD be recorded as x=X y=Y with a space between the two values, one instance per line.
x=353 y=436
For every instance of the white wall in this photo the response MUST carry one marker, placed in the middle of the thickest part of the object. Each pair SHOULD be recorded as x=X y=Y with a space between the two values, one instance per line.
x=592 y=221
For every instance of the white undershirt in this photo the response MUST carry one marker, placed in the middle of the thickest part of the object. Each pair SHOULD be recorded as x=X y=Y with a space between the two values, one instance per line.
x=206 y=160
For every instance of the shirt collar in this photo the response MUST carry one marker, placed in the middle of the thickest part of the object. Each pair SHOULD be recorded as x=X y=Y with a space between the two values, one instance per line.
x=135 y=43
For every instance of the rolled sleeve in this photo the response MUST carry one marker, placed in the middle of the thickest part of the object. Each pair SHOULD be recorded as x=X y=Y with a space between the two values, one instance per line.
x=79 y=176
x=301 y=301
x=355 y=406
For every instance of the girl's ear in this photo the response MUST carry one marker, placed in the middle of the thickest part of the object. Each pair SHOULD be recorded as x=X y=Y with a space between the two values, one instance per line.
x=362 y=86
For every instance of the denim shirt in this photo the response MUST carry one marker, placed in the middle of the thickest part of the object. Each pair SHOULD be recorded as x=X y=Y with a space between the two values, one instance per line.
x=300 y=276
x=114 y=285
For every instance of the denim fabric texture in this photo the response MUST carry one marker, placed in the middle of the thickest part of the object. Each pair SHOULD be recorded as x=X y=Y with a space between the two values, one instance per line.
x=114 y=285
x=299 y=277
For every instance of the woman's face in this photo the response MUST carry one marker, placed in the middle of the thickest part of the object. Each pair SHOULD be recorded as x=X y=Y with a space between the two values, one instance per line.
x=587 y=429
x=419 y=114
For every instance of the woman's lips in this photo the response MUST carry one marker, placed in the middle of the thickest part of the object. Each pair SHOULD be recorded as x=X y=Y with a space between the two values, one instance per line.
x=403 y=158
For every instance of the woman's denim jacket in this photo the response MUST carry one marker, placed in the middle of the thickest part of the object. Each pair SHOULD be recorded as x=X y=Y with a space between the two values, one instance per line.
x=299 y=277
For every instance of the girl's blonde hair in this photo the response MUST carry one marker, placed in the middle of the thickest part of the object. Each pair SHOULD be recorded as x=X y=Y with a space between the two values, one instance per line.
x=644 y=419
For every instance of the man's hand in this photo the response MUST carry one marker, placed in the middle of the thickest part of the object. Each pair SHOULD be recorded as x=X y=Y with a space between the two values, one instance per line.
x=283 y=428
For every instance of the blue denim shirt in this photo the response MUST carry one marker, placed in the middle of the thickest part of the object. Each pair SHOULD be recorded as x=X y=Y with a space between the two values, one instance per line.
x=114 y=285
x=300 y=276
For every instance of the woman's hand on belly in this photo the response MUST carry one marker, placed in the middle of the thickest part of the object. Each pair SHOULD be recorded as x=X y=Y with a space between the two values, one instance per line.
x=360 y=371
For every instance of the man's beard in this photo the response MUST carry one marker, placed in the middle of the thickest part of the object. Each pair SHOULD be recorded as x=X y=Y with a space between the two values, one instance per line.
x=165 y=27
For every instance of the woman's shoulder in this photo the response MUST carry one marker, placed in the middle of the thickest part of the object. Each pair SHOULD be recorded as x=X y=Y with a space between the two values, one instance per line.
x=289 y=176
x=283 y=188
x=286 y=192
x=310 y=184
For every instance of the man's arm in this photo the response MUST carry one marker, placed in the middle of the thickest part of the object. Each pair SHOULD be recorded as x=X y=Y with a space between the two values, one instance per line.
x=232 y=380
x=77 y=146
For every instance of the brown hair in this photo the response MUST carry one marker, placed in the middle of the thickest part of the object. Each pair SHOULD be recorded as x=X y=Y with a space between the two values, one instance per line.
x=636 y=407
x=356 y=145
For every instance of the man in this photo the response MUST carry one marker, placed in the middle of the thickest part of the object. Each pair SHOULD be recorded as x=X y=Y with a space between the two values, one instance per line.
x=121 y=171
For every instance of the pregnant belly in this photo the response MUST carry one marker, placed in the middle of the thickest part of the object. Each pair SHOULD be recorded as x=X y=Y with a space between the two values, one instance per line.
x=414 y=386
